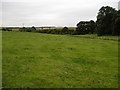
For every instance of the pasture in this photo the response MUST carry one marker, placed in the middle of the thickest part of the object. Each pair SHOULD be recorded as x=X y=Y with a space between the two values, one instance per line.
x=35 y=60
x=57 y=28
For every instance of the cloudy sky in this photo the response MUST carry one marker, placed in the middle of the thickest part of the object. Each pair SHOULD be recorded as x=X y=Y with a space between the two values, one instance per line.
x=50 y=12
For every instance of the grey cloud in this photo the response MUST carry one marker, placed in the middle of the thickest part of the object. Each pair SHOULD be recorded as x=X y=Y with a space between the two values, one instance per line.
x=51 y=12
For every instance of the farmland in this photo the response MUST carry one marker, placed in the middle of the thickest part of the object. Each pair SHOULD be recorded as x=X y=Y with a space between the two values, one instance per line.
x=35 y=60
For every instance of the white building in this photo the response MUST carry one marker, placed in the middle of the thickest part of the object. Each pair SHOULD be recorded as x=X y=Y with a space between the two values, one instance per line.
x=119 y=5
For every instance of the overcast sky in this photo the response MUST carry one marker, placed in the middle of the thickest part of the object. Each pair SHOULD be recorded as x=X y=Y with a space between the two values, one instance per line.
x=51 y=12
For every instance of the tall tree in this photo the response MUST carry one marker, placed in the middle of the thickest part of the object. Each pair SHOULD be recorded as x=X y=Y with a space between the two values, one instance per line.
x=105 y=20
x=116 y=24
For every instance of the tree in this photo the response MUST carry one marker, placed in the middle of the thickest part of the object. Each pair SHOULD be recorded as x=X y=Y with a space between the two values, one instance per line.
x=4 y=29
x=105 y=20
x=116 y=23
x=33 y=29
x=116 y=29
x=65 y=30
x=85 y=27
x=81 y=27
x=92 y=27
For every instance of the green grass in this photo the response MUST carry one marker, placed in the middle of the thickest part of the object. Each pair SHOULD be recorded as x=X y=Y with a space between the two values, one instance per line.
x=37 y=60
x=16 y=29
x=99 y=37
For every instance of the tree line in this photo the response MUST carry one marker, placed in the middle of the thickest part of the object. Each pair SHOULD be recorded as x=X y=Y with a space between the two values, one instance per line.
x=107 y=23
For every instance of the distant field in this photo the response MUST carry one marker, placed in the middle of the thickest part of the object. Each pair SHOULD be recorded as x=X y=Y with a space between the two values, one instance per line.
x=99 y=37
x=15 y=29
x=59 y=28
x=95 y=35
x=35 y=60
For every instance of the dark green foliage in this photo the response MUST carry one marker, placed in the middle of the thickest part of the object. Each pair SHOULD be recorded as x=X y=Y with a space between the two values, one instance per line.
x=116 y=24
x=65 y=30
x=22 y=29
x=108 y=21
x=6 y=29
x=116 y=28
x=3 y=29
x=85 y=27
x=33 y=29
x=60 y=31
x=92 y=27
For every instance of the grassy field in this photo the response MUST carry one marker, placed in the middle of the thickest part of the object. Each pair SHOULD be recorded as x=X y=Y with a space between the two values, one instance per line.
x=99 y=37
x=37 y=60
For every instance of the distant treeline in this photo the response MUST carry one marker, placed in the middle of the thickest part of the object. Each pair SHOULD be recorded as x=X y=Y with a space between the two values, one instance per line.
x=108 y=23
x=64 y=30
x=6 y=29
